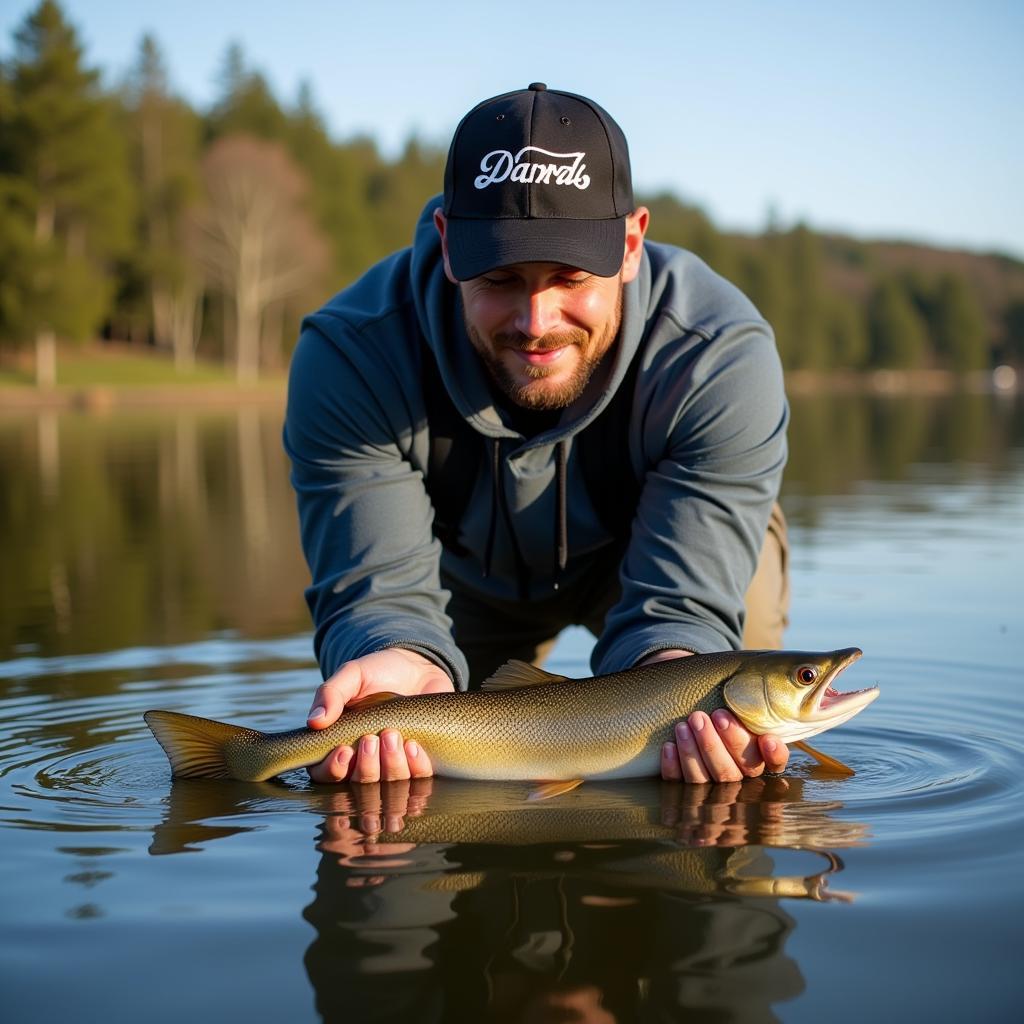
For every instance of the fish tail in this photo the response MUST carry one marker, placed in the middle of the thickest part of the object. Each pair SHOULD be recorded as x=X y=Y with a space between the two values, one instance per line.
x=196 y=747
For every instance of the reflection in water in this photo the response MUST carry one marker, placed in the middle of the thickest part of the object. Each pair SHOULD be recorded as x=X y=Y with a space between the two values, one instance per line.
x=364 y=819
x=145 y=528
x=152 y=559
x=49 y=455
x=839 y=441
x=596 y=910
x=255 y=507
x=476 y=904
x=162 y=527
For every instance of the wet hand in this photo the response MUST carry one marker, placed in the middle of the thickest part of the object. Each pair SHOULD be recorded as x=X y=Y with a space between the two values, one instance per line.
x=717 y=748
x=389 y=756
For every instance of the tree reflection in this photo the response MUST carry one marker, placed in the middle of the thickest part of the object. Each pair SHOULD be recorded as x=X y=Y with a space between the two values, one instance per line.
x=126 y=528
x=135 y=528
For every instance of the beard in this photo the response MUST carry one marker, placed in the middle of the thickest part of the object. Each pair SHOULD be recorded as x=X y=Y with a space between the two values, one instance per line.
x=591 y=349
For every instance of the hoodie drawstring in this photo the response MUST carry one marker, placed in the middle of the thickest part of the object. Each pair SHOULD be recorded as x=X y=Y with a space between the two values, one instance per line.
x=493 y=525
x=561 y=545
x=561 y=518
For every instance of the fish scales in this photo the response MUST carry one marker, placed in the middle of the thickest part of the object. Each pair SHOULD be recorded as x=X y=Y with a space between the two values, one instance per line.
x=550 y=727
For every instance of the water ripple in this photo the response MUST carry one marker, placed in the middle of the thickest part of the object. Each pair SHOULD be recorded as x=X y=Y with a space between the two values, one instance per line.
x=933 y=759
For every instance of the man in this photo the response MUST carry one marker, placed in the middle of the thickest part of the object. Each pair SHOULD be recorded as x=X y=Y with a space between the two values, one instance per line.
x=534 y=353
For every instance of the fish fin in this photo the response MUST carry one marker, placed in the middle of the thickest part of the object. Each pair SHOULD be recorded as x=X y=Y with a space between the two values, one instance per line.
x=457 y=881
x=546 y=790
x=514 y=674
x=372 y=698
x=837 y=767
x=194 y=746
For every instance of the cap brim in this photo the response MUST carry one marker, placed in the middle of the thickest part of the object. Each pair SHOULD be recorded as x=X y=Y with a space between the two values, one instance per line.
x=478 y=246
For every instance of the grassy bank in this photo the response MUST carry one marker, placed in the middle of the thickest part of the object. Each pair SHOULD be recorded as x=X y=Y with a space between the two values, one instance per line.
x=99 y=376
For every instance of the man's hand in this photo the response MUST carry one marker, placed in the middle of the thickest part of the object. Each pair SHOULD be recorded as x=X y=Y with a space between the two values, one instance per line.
x=716 y=747
x=387 y=757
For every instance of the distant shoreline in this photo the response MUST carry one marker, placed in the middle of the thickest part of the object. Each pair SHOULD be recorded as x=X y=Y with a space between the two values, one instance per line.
x=1004 y=380
x=100 y=396
x=104 y=398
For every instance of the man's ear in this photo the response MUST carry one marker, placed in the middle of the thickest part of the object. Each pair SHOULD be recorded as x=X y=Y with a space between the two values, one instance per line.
x=442 y=227
x=636 y=228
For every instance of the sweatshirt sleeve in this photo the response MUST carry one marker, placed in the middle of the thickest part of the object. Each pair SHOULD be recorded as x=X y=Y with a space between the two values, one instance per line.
x=706 y=498
x=364 y=514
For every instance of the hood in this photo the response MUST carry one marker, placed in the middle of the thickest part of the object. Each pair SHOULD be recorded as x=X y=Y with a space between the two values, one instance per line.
x=439 y=310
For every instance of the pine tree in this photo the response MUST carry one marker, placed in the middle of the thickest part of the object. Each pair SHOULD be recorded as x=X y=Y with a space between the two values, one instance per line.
x=339 y=176
x=846 y=332
x=1012 y=348
x=246 y=105
x=808 y=315
x=62 y=143
x=959 y=331
x=164 y=135
x=899 y=338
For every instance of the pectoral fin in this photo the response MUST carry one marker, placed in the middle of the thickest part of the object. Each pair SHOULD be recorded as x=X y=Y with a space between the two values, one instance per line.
x=834 y=766
x=546 y=790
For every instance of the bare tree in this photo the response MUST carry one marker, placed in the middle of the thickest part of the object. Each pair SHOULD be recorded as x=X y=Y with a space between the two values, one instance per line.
x=258 y=244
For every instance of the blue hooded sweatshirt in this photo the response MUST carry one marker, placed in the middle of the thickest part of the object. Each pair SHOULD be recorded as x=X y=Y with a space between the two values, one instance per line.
x=706 y=442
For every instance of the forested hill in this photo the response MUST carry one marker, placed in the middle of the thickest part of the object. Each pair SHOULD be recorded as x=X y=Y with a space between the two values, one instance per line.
x=843 y=303
x=128 y=214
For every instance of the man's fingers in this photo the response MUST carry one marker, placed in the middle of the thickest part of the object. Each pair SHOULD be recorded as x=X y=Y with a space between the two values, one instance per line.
x=719 y=764
x=774 y=752
x=334 y=767
x=740 y=744
x=690 y=762
x=366 y=766
x=419 y=764
x=670 y=767
x=333 y=694
x=393 y=763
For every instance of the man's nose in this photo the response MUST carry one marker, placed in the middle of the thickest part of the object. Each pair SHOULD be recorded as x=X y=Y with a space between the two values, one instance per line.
x=538 y=313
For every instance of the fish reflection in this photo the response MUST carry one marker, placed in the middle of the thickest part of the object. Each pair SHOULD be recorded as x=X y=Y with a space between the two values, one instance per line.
x=695 y=838
x=359 y=818
x=464 y=901
x=607 y=904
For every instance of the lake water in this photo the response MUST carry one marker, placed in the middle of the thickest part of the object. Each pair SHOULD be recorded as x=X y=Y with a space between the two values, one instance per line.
x=151 y=560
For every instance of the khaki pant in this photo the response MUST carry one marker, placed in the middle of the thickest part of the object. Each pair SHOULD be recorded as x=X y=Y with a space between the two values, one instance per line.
x=490 y=633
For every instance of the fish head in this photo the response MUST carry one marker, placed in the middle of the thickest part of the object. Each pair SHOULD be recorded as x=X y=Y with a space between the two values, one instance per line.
x=790 y=694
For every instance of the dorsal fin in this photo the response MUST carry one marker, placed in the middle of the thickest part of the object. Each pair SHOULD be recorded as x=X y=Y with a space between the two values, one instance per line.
x=514 y=674
x=370 y=699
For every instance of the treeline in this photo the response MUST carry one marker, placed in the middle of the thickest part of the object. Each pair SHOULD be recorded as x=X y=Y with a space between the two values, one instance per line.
x=126 y=213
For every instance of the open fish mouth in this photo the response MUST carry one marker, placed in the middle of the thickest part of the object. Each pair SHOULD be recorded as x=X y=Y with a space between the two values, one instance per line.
x=827 y=704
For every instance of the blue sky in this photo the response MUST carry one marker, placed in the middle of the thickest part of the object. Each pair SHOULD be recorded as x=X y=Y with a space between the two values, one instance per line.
x=882 y=119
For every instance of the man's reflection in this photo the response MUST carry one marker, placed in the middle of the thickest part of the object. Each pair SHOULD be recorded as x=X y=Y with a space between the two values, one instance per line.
x=432 y=914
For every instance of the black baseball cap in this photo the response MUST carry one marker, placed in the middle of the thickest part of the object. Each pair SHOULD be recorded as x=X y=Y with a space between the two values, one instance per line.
x=537 y=175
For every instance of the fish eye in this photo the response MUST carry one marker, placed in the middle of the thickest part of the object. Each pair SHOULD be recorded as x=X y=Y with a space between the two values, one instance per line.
x=806 y=674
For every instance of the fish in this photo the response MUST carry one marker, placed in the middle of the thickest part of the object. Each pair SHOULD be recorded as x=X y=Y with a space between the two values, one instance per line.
x=525 y=724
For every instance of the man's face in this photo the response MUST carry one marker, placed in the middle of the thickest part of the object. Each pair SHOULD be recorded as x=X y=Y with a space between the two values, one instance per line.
x=542 y=329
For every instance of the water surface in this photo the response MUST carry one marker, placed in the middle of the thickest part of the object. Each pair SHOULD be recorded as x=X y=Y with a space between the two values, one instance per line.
x=152 y=561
